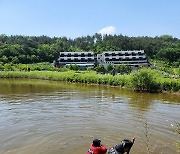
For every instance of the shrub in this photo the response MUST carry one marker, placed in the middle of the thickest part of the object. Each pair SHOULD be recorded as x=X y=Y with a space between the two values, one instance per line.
x=8 y=67
x=110 y=68
x=1 y=67
x=169 y=84
x=101 y=69
x=145 y=80
x=73 y=67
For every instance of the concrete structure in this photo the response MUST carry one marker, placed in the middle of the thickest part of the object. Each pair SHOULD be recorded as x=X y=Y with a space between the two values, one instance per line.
x=85 y=59
x=132 y=58
x=82 y=59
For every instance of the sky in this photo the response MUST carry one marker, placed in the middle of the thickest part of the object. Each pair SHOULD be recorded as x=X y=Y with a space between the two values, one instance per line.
x=76 y=18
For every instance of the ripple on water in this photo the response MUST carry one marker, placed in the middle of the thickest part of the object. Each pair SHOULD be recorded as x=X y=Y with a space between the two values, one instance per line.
x=66 y=120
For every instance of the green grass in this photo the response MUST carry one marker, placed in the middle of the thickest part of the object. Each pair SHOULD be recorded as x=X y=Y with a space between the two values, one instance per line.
x=141 y=80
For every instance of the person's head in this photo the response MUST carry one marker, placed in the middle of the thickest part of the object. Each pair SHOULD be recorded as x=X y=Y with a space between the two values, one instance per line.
x=119 y=148
x=96 y=143
x=127 y=144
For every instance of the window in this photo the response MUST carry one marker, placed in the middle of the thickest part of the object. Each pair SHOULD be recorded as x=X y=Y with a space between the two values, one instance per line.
x=76 y=60
x=75 y=55
x=133 y=54
x=140 y=53
x=89 y=54
x=83 y=59
x=126 y=54
x=68 y=60
x=113 y=54
x=62 y=60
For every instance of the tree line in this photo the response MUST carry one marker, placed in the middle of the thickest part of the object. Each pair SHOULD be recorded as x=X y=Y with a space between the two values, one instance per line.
x=33 y=49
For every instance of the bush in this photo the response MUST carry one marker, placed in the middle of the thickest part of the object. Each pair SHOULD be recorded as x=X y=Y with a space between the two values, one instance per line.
x=169 y=84
x=8 y=67
x=141 y=80
x=1 y=67
x=110 y=68
x=101 y=69
x=145 y=80
x=73 y=67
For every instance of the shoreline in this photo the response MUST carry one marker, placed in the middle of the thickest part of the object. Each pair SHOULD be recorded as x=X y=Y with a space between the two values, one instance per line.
x=92 y=78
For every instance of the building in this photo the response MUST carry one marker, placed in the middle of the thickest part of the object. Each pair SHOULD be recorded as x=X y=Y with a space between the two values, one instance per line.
x=82 y=59
x=134 y=58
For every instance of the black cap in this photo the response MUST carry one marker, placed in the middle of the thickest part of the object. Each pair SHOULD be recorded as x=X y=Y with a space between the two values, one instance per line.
x=96 y=142
x=119 y=148
x=127 y=143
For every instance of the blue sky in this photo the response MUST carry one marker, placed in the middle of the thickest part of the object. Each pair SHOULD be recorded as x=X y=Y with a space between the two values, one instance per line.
x=75 y=18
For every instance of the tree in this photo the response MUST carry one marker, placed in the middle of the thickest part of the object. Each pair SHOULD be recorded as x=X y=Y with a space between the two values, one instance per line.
x=110 y=68
x=145 y=80
x=117 y=68
x=125 y=69
x=73 y=67
x=4 y=59
x=1 y=67
x=169 y=54
x=101 y=69
x=47 y=49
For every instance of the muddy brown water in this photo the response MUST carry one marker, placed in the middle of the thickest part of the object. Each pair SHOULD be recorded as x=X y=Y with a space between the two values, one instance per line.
x=46 y=117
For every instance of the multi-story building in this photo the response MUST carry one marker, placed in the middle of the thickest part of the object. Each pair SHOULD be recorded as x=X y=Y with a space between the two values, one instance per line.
x=132 y=58
x=85 y=59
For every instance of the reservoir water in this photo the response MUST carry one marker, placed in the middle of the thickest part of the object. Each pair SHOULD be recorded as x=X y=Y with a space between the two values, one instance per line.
x=46 y=117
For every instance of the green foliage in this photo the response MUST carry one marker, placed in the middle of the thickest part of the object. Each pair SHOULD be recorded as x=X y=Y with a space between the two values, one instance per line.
x=166 y=37
x=142 y=80
x=1 y=67
x=42 y=67
x=145 y=80
x=70 y=76
x=101 y=69
x=22 y=67
x=89 y=69
x=4 y=59
x=110 y=68
x=169 y=54
x=125 y=69
x=26 y=49
x=73 y=67
x=169 y=84
x=30 y=67
x=117 y=68
x=8 y=67
x=165 y=67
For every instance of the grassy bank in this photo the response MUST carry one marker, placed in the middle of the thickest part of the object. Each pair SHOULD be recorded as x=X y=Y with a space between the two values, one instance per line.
x=141 y=80
x=70 y=76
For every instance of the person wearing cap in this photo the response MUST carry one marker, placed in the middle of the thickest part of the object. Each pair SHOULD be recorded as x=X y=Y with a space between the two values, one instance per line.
x=117 y=149
x=97 y=148
x=122 y=148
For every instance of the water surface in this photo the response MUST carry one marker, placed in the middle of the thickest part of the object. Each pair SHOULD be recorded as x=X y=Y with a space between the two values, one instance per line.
x=45 y=117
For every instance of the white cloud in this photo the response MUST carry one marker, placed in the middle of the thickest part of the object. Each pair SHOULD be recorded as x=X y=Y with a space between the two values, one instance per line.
x=107 y=30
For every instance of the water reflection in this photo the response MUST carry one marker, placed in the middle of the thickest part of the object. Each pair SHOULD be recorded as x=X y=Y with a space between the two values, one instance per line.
x=54 y=117
x=142 y=102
